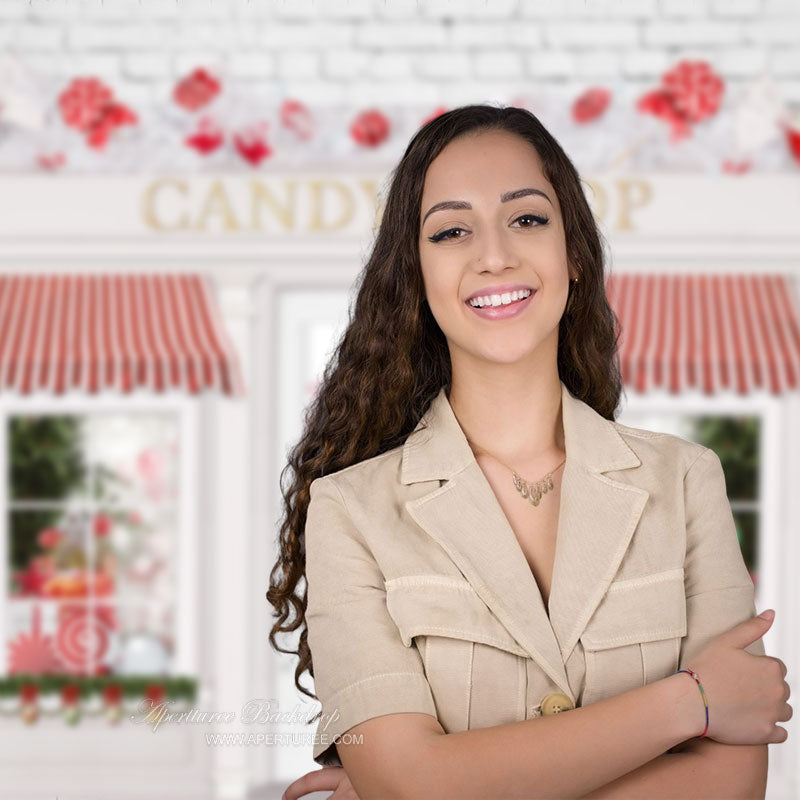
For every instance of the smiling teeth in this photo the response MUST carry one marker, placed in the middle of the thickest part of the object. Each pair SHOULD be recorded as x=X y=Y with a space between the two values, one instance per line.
x=499 y=299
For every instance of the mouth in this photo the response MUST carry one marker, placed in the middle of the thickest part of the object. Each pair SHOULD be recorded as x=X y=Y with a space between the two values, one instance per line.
x=503 y=306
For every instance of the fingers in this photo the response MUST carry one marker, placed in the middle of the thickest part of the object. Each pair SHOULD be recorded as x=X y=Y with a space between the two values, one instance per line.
x=320 y=780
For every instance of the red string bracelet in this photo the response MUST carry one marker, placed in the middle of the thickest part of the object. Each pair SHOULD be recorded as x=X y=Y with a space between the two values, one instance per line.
x=696 y=677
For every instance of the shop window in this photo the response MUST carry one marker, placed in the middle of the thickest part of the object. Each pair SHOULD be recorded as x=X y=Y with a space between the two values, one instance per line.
x=736 y=439
x=91 y=517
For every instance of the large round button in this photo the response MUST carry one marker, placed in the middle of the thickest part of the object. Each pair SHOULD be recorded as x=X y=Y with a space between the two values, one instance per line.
x=556 y=703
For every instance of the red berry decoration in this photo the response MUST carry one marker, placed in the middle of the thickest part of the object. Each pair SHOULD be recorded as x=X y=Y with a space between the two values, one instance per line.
x=370 y=128
x=196 y=90
x=591 y=104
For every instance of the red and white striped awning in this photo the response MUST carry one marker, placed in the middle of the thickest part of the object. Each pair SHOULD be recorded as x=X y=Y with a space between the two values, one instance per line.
x=60 y=332
x=707 y=332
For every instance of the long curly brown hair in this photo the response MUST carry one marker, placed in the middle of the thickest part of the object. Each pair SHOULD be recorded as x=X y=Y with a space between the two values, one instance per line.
x=392 y=358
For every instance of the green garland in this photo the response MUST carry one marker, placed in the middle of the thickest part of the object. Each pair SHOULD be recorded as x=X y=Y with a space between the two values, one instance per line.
x=178 y=687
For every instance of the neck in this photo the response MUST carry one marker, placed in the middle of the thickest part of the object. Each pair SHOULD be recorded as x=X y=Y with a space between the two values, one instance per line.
x=518 y=424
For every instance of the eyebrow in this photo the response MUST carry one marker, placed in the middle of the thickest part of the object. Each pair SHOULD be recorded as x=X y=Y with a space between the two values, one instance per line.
x=460 y=205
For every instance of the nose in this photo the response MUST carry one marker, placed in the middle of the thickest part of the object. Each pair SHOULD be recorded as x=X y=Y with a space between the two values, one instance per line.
x=494 y=251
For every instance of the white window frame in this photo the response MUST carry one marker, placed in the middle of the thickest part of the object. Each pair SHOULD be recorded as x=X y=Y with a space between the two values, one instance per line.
x=185 y=657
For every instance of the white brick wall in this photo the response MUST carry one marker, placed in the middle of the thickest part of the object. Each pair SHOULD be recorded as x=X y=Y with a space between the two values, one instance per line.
x=398 y=51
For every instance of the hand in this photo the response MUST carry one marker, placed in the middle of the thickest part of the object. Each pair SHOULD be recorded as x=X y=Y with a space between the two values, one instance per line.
x=321 y=780
x=747 y=694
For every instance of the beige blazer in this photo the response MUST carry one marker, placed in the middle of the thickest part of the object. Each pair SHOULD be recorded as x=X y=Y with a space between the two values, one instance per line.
x=420 y=597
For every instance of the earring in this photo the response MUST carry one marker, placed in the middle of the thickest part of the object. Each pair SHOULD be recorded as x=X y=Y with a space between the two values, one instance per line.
x=574 y=282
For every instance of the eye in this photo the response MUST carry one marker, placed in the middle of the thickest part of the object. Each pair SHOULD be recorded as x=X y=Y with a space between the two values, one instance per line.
x=540 y=219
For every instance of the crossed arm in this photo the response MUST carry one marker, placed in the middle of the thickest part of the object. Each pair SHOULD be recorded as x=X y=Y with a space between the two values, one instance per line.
x=699 y=768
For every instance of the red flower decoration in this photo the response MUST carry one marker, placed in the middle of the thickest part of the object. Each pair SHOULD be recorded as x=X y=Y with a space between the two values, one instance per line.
x=659 y=103
x=48 y=538
x=591 y=104
x=88 y=105
x=82 y=101
x=690 y=92
x=207 y=138
x=297 y=118
x=252 y=145
x=696 y=90
x=196 y=90
x=370 y=128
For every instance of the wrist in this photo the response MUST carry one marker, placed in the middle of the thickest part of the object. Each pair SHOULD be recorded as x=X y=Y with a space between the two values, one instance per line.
x=688 y=709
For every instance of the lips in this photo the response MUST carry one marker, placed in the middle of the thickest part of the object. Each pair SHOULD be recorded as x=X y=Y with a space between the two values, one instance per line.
x=503 y=311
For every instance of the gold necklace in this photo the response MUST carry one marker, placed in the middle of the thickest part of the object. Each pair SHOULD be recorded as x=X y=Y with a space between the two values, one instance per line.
x=530 y=491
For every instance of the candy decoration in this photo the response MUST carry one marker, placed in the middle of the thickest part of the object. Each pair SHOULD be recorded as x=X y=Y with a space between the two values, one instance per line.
x=207 y=137
x=791 y=129
x=196 y=90
x=82 y=637
x=370 y=128
x=51 y=161
x=33 y=652
x=591 y=104
x=102 y=525
x=48 y=538
x=251 y=143
x=296 y=116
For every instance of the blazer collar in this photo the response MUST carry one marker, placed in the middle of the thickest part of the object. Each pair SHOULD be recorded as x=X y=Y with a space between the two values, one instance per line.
x=597 y=517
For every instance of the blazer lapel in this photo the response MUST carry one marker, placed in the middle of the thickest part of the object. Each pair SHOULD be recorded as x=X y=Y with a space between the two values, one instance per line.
x=597 y=517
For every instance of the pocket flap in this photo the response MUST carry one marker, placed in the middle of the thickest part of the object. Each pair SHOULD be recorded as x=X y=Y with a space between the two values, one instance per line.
x=639 y=610
x=438 y=605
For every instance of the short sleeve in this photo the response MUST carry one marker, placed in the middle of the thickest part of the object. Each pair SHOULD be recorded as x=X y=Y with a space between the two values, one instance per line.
x=362 y=669
x=719 y=591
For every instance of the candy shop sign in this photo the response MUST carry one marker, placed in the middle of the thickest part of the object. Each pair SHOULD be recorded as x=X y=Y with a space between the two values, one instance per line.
x=350 y=205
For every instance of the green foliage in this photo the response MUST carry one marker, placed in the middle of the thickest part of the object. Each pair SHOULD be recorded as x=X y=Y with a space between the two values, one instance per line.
x=735 y=439
x=46 y=457
x=46 y=463
x=175 y=687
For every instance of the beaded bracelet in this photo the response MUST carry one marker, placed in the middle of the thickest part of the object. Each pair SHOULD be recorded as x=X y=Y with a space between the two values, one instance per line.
x=694 y=675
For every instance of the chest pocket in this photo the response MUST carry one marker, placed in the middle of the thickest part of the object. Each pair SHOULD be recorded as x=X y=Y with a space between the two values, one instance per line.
x=475 y=668
x=634 y=636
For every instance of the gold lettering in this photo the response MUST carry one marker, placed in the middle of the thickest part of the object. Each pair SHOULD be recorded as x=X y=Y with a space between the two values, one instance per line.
x=597 y=199
x=149 y=205
x=317 y=223
x=633 y=195
x=217 y=203
x=261 y=194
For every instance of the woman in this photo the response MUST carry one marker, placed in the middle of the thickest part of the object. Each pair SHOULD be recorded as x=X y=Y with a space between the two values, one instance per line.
x=482 y=544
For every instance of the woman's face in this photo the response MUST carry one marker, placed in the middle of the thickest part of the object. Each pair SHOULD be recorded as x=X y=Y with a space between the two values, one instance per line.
x=493 y=246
